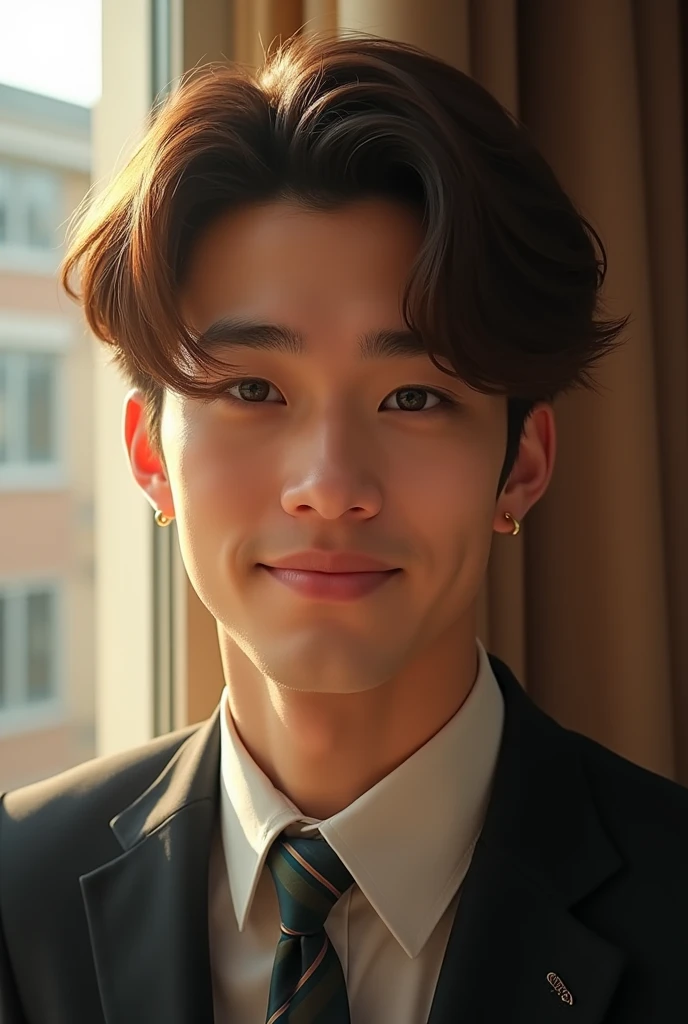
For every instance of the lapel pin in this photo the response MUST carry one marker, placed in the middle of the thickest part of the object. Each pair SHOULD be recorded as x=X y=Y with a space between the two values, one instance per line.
x=560 y=988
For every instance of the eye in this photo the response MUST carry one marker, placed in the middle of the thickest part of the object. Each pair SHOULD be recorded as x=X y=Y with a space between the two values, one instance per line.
x=414 y=399
x=255 y=391
x=252 y=390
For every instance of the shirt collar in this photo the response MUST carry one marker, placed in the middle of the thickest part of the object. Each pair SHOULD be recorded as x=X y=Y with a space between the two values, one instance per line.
x=434 y=826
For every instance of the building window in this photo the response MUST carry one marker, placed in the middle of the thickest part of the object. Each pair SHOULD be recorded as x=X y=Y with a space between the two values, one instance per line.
x=3 y=658
x=4 y=412
x=29 y=420
x=29 y=647
x=30 y=207
x=40 y=646
x=5 y=204
x=41 y=415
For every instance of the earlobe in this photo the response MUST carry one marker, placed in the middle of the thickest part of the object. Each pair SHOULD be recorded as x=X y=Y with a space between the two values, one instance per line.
x=515 y=521
x=506 y=522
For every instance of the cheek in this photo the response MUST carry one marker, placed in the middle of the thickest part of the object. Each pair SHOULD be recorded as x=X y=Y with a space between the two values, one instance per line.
x=445 y=501
x=448 y=483
x=225 y=491
x=225 y=480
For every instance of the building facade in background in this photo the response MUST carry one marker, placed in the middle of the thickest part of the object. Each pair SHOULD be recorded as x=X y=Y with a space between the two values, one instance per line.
x=47 y=586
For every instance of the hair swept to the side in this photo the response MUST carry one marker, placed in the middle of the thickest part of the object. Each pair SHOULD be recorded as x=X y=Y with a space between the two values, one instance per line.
x=506 y=284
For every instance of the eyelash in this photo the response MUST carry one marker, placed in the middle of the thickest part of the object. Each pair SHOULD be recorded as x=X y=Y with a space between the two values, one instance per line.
x=445 y=400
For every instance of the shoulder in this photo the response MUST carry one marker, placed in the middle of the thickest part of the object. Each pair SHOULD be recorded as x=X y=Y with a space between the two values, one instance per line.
x=643 y=811
x=83 y=799
x=644 y=814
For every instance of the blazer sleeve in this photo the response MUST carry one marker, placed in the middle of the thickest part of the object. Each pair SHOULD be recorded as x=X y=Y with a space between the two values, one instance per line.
x=10 y=1007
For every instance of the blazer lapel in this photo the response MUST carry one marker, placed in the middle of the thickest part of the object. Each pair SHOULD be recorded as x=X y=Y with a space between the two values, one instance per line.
x=147 y=910
x=517 y=951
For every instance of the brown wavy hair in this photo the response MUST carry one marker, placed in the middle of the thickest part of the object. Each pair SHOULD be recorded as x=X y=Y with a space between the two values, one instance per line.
x=506 y=285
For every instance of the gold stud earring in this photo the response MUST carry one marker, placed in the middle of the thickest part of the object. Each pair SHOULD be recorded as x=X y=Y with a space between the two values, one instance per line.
x=512 y=519
x=161 y=519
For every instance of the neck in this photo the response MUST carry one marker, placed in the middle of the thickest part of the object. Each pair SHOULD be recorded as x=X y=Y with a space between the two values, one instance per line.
x=324 y=750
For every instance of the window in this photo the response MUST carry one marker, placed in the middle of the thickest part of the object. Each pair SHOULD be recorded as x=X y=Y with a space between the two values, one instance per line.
x=29 y=648
x=40 y=416
x=4 y=411
x=4 y=205
x=40 y=646
x=30 y=206
x=29 y=412
x=50 y=663
x=3 y=658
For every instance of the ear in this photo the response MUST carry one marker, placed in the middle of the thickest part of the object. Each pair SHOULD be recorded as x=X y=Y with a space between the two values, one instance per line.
x=147 y=467
x=532 y=470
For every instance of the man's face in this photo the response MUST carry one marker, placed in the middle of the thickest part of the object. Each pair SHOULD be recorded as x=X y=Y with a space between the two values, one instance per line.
x=326 y=449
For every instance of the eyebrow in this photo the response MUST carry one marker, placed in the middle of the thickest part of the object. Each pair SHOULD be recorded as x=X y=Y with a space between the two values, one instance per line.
x=238 y=332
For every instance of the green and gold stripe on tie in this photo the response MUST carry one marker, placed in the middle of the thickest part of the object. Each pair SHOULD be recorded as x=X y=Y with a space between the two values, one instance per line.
x=307 y=985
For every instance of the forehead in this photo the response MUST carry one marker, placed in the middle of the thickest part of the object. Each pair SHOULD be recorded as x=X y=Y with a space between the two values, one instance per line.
x=283 y=261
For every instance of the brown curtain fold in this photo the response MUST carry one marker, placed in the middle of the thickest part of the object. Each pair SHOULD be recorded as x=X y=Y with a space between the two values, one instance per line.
x=589 y=605
x=663 y=35
x=598 y=632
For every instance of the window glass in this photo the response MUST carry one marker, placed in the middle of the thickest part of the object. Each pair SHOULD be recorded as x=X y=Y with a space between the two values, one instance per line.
x=29 y=413
x=39 y=203
x=40 y=407
x=4 y=204
x=30 y=204
x=3 y=658
x=4 y=454
x=29 y=646
x=40 y=646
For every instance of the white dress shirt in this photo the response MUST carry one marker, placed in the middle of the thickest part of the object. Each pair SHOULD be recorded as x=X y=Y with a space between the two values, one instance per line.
x=407 y=842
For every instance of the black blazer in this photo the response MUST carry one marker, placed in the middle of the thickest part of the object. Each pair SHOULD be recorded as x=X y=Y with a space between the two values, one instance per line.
x=575 y=908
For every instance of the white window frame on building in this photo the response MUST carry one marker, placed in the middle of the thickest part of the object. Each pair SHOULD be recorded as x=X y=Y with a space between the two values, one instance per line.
x=17 y=709
x=30 y=193
x=24 y=339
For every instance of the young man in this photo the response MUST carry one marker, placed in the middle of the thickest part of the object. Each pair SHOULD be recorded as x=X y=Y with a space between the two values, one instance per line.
x=345 y=293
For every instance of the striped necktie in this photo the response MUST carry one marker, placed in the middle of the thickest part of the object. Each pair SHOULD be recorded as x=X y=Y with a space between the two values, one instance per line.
x=307 y=985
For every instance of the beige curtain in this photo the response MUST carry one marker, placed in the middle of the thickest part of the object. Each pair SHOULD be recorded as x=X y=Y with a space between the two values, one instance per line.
x=589 y=605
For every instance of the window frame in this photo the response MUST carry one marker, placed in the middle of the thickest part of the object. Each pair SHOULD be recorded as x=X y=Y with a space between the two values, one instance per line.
x=123 y=537
x=20 y=181
x=24 y=716
x=22 y=473
x=169 y=673
x=29 y=333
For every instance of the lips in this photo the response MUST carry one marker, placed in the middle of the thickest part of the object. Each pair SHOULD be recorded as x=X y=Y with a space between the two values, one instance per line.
x=319 y=560
x=330 y=586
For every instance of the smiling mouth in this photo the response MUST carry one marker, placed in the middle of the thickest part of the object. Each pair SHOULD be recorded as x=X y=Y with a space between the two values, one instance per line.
x=332 y=586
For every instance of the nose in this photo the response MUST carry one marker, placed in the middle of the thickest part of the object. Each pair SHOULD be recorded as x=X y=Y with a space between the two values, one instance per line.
x=331 y=474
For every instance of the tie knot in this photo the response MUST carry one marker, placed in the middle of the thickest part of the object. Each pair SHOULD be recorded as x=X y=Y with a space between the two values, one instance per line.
x=309 y=878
